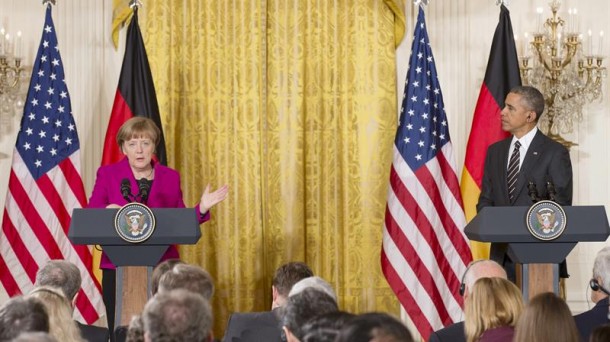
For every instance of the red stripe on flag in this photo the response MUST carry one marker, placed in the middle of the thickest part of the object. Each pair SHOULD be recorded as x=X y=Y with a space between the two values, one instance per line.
x=85 y=307
x=404 y=296
x=74 y=181
x=31 y=214
x=57 y=205
x=11 y=287
x=18 y=246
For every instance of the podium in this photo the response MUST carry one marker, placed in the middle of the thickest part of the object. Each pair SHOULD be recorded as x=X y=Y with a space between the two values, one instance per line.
x=134 y=261
x=538 y=258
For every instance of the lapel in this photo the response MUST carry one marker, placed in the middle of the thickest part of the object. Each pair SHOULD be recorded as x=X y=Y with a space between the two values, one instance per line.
x=531 y=158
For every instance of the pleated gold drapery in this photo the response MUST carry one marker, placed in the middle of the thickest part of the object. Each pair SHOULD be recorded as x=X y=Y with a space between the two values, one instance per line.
x=293 y=104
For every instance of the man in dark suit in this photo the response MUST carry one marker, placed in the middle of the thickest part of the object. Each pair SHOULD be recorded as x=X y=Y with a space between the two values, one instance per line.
x=587 y=321
x=265 y=326
x=476 y=270
x=64 y=275
x=528 y=156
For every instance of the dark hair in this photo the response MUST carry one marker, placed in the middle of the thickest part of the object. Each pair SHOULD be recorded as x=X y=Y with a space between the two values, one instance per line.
x=289 y=274
x=532 y=98
x=188 y=277
x=600 y=334
x=304 y=306
x=160 y=271
x=60 y=274
x=374 y=325
x=20 y=315
x=325 y=327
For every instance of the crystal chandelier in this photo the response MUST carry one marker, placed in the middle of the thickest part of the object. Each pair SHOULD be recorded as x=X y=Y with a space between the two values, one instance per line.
x=13 y=80
x=568 y=73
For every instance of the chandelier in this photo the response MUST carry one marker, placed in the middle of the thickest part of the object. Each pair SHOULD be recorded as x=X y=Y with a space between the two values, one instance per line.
x=13 y=81
x=568 y=72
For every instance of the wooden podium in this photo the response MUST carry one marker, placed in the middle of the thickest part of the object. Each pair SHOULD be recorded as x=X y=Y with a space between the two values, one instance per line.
x=134 y=261
x=539 y=259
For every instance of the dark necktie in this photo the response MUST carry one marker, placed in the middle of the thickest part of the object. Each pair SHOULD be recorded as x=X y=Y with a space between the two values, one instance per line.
x=513 y=171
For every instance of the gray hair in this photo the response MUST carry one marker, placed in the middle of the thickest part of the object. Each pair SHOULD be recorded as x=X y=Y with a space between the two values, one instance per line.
x=188 y=277
x=601 y=266
x=314 y=282
x=484 y=268
x=60 y=274
x=178 y=315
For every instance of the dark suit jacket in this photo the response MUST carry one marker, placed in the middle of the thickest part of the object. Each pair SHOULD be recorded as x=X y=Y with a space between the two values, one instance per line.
x=587 y=321
x=452 y=333
x=92 y=333
x=545 y=160
x=254 y=327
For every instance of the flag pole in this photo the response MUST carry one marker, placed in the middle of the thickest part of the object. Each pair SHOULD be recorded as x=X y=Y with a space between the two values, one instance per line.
x=52 y=2
x=135 y=4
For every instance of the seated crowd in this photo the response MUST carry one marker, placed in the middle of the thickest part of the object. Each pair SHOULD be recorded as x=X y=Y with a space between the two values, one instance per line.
x=304 y=308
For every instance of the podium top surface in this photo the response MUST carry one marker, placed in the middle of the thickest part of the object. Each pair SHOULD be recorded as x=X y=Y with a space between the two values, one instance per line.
x=508 y=224
x=96 y=226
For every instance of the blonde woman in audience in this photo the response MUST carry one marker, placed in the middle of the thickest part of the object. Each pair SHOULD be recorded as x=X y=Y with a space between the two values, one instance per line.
x=492 y=310
x=61 y=325
x=546 y=318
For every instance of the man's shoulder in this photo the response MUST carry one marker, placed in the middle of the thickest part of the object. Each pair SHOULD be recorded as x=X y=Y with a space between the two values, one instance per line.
x=254 y=316
x=501 y=143
x=93 y=333
x=243 y=326
x=452 y=333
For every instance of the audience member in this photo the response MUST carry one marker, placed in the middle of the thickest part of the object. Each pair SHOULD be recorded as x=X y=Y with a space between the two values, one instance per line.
x=22 y=314
x=257 y=326
x=374 y=327
x=189 y=277
x=325 y=327
x=316 y=283
x=600 y=284
x=61 y=325
x=159 y=271
x=178 y=315
x=135 y=331
x=492 y=310
x=64 y=275
x=35 y=337
x=476 y=270
x=546 y=318
x=600 y=334
x=302 y=307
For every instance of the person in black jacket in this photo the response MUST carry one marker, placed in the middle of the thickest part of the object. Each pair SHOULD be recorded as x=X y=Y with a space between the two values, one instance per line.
x=598 y=315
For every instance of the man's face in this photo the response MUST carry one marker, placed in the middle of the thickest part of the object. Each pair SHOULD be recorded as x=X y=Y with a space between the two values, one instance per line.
x=516 y=118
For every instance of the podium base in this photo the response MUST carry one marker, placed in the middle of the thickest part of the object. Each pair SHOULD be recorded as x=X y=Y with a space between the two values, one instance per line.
x=132 y=292
x=534 y=279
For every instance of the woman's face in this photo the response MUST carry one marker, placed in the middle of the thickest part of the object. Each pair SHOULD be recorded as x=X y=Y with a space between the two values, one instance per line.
x=139 y=151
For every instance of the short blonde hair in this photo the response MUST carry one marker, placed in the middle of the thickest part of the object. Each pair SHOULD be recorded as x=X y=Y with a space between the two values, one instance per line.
x=138 y=127
x=492 y=303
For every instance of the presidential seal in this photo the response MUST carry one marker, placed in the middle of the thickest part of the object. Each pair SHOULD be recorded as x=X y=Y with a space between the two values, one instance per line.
x=546 y=220
x=134 y=222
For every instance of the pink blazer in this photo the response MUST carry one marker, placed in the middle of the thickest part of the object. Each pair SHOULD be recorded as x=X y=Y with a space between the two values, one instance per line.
x=164 y=193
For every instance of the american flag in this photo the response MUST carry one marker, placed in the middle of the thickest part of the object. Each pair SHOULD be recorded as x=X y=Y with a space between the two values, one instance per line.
x=45 y=185
x=424 y=250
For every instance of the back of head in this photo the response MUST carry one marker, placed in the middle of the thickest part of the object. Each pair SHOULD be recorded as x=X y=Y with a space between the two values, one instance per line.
x=314 y=282
x=303 y=306
x=600 y=334
x=135 y=331
x=492 y=303
x=289 y=274
x=178 y=315
x=59 y=308
x=189 y=277
x=374 y=326
x=483 y=268
x=325 y=327
x=546 y=318
x=21 y=314
x=35 y=337
x=532 y=98
x=60 y=274
x=160 y=270
x=601 y=267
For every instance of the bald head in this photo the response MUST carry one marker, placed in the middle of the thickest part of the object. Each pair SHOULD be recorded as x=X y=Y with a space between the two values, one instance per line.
x=482 y=269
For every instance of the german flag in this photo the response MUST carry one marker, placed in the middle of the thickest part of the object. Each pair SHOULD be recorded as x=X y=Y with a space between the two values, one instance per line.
x=501 y=75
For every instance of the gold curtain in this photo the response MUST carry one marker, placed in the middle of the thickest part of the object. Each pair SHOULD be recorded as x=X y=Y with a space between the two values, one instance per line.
x=293 y=104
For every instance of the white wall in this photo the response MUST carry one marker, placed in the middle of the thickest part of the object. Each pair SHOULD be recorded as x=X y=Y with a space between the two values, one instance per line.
x=460 y=32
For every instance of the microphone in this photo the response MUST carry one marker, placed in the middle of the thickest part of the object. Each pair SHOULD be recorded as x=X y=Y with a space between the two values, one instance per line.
x=532 y=192
x=144 y=189
x=126 y=189
x=550 y=191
